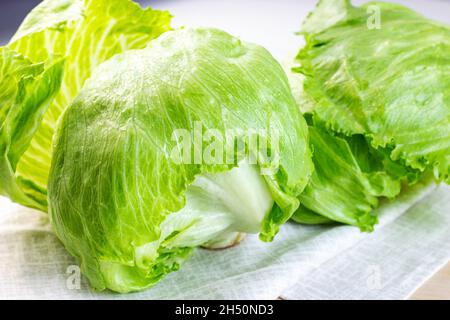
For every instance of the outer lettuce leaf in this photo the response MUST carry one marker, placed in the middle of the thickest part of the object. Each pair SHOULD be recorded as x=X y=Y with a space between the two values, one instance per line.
x=390 y=84
x=218 y=209
x=86 y=33
x=119 y=202
x=348 y=180
x=26 y=90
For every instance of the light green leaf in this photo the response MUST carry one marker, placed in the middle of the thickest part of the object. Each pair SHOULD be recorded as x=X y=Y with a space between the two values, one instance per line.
x=26 y=91
x=349 y=178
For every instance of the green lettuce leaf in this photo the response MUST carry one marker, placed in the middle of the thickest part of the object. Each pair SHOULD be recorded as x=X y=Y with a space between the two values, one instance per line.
x=85 y=33
x=26 y=91
x=390 y=84
x=120 y=199
x=349 y=178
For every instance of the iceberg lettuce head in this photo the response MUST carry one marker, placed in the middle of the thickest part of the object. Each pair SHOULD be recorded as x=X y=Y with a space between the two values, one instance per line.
x=375 y=81
x=80 y=34
x=130 y=198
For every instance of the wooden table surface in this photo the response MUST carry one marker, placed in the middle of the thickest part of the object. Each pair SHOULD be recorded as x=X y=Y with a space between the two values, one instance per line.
x=436 y=288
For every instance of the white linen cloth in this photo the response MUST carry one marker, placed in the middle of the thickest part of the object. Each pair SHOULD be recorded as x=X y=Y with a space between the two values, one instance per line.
x=304 y=262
